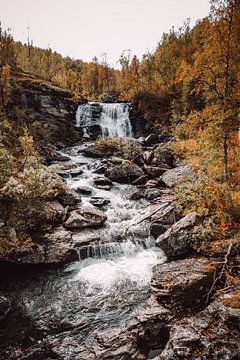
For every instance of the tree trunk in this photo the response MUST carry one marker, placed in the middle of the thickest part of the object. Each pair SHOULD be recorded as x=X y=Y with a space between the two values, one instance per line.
x=225 y=150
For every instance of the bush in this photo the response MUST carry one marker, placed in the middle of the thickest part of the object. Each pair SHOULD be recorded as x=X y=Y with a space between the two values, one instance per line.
x=129 y=149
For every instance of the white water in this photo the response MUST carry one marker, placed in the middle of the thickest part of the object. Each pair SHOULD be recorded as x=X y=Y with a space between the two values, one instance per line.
x=113 y=119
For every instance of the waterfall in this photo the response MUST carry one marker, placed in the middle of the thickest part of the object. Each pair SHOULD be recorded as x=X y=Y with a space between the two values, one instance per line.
x=111 y=119
x=114 y=120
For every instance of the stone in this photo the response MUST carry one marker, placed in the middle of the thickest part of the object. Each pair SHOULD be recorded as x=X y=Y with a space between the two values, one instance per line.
x=141 y=180
x=116 y=160
x=176 y=241
x=152 y=193
x=83 y=189
x=211 y=334
x=93 y=152
x=137 y=195
x=151 y=139
x=82 y=218
x=55 y=210
x=68 y=197
x=76 y=172
x=126 y=173
x=177 y=175
x=100 y=169
x=154 y=171
x=182 y=284
x=5 y=307
x=151 y=184
x=158 y=229
x=99 y=201
x=103 y=183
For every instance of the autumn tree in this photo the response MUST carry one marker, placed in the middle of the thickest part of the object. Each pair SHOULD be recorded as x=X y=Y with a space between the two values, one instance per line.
x=217 y=68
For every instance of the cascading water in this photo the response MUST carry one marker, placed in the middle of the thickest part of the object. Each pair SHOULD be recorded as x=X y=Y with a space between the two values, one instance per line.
x=113 y=119
x=74 y=307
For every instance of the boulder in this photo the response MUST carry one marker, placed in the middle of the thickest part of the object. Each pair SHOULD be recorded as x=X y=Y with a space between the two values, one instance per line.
x=99 y=201
x=76 y=172
x=151 y=184
x=68 y=197
x=100 y=169
x=82 y=218
x=179 y=174
x=5 y=307
x=103 y=183
x=55 y=210
x=84 y=189
x=93 y=152
x=211 y=334
x=176 y=241
x=141 y=180
x=126 y=173
x=151 y=139
x=152 y=193
x=182 y=284
x=154 y=171
x=158 y=229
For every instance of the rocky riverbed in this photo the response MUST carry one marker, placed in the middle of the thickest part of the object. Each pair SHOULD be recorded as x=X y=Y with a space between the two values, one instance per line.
x=127 y=284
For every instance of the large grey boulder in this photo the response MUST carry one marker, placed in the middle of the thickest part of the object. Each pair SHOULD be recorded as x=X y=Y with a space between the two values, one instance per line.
x=177 y=175
x=177 y=239
x=126 y=173
x=82 y=218
x=183 y=283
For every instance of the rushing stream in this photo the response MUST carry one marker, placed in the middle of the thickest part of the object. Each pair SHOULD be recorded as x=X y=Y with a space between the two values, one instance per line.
x=103 y=289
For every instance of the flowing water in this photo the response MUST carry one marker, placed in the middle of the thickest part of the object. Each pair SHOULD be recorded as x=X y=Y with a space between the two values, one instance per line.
x=107 y=284
x=113 y=119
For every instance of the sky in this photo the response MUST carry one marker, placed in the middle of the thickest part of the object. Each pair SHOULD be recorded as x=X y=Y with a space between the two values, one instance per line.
x=83 y=29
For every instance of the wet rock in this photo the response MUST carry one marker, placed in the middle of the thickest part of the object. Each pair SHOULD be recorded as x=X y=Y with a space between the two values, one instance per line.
x=99 y=201
x=180 y=174
x=183 y=283
x=154 y=171
x=116 y=160
x=158 y=229
x=126 y=173
x=69 y=197
x=63 y=174
x=59 y=247
x=152 y=193
x=84 y=189
x=103 y=183
x=137 y=195
x=177 y=239
x=151 y=184
x=82 y=218
x=76 y=172
x=5 y=307
x=141 y=180
x=151 y=139
x=100 y=169
x=214 y=333
x=93 y=152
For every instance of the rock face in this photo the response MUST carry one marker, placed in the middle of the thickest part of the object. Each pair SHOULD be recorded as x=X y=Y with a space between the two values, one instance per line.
x=211 y=334
x=176 y=241
x=174 y=176
x=125 y=173
x=5 y=307
x=50 y=110
x=82 y=218
x=183 y=283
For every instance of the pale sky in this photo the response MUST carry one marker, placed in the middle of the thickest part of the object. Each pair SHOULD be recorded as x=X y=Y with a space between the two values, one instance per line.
x=85 y=28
